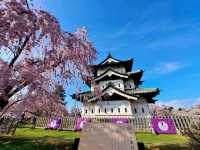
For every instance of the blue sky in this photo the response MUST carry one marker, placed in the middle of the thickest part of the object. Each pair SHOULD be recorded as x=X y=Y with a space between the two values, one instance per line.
x=163 y=37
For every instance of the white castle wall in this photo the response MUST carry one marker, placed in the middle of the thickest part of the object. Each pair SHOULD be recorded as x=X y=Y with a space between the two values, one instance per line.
x=127 y=108
x=120 y=108
x=140 y=108
x=117 y=83
x=129 y=84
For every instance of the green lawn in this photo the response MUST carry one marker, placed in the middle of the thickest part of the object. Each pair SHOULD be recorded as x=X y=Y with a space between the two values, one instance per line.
x=163 y=142
x=40 y=139
x=41 y=133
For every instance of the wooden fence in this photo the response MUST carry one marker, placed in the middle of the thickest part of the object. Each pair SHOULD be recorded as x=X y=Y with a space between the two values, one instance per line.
x=182 y=123
x=41 y=122
x=67 y=123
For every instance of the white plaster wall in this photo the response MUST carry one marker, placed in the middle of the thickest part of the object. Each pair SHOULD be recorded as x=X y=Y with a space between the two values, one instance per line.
x=88 y=108
x=122 y=104
x=120 y=70
x=129 y=84
x=104 y=84
x=139 y=105
x=108 y=105
x=100 y=71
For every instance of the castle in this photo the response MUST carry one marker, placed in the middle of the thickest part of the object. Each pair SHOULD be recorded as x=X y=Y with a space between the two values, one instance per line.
x=121 y=95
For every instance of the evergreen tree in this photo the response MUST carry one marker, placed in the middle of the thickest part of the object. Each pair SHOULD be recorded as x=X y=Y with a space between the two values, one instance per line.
x=60 y=92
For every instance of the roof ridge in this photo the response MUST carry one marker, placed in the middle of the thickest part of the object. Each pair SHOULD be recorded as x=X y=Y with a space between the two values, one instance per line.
x=137 y=71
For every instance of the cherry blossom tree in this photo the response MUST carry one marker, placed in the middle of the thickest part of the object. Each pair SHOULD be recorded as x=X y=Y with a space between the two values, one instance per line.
x=60 y=92
x=36 y=54
x=42 y=105
x=158 y=110
x=75 y=111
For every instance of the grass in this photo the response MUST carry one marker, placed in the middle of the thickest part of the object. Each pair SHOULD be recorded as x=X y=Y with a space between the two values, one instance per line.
x=41 y=133
x=163 y=142
x=40 y=139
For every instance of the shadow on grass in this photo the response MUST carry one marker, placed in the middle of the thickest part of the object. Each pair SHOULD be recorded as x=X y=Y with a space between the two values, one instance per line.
x=168 y=147
x=16 y=143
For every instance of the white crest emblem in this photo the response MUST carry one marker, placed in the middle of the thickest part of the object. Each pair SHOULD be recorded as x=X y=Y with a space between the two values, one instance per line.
x=163 y=125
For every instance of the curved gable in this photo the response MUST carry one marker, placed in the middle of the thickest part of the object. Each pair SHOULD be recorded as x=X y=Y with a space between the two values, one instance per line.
x=110 y=90
x=110 y=72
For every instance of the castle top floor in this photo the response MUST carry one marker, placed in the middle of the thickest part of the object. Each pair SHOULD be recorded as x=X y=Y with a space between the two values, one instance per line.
x=119 y=66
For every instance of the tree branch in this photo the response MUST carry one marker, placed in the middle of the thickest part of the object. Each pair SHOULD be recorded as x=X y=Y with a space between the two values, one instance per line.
x=7 y=107
x=21 y=86
x=27 y=5
x=19 y=50
x=33 y=113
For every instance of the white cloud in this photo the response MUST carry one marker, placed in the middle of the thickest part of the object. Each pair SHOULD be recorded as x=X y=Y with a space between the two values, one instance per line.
x=139 y=24
x=197 y=102
x=181 y=103
x=168 y=67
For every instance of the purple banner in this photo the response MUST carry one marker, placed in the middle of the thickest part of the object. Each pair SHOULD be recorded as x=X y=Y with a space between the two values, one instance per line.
x=54 y=124
x=163 y=125
x=80 y=123
x=119 y=120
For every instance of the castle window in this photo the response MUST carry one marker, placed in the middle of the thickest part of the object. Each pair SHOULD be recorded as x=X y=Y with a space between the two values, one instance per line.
x=86 y=111
x=135 y=110
x=125 y=109
x=142 y=110
x=111 y=110
x=130 y=86
x=118 y=110
x=105 y=110
x=99 y=110
x=119 y=85
x=103 y=87
x=92 y=111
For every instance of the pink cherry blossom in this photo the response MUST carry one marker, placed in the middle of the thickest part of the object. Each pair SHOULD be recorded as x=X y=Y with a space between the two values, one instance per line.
x=36 y=54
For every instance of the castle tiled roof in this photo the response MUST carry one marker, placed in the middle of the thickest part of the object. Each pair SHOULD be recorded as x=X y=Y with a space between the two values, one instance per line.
x=143 y=91
x=111 y=69
x=115 y=62
x=129 y=93
x=136 y=76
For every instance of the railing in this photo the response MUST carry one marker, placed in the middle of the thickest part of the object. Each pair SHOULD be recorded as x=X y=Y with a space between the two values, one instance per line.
x=139 y=124
x=41 y=122
x=67 y=123
x=182 y=123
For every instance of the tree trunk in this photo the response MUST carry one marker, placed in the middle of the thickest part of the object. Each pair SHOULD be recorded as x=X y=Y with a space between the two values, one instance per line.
x=4 y=98
x=3 y=103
